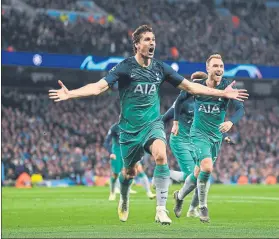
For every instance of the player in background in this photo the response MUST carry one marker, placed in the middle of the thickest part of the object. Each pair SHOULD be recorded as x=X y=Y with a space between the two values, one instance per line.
x=141 y=129
x=206 y=134
x=113 y=147
x=182 y=113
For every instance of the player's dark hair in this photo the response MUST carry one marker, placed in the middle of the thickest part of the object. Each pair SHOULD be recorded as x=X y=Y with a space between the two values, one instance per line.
x=137 y=35
x=198 y=75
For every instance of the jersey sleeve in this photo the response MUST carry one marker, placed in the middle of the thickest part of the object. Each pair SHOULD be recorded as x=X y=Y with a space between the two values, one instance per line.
x=239 y=111
x=172 y=76
x=178 y=104
x=117 y=73
x=111 y=133
x=168 y=115
x=107 y=143
x=238 y=106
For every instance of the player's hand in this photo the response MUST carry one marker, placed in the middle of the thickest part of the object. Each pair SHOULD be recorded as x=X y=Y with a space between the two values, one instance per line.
x=59 y=95
x=112 y=156
x=236 y=94
x=230 y=86
x=175 y=128
x=225 y=127
x=229 y=140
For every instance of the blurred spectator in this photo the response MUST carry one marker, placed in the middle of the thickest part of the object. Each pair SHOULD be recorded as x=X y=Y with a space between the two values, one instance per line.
x=10 y=178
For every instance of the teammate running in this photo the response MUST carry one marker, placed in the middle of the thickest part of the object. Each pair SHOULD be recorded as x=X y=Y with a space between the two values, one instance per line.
x=206 y=134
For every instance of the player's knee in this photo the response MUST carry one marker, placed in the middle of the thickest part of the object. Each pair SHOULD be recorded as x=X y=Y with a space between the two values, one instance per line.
x=158 y=150
x=130 y=172
x=207 y=165
x=207 y=169
x=160 y=158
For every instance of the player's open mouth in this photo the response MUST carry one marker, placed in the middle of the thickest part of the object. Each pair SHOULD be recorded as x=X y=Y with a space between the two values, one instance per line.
x=151 y=50
x=218 y=73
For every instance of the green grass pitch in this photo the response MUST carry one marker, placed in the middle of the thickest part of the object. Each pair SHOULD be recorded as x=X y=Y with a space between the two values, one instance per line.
x=85 y=212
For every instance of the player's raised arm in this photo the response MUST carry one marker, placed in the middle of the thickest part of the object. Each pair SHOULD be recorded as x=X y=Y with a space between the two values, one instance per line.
x=92 y=89
x=198 y=89
x=87 y=90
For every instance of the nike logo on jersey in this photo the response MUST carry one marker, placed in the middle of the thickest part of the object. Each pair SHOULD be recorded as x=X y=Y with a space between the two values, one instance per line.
x=133 y=75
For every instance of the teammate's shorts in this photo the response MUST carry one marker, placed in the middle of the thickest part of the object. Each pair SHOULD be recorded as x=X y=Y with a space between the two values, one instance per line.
x=133 y=145
x=116 y=164
x=184 y=152
x=206 y=149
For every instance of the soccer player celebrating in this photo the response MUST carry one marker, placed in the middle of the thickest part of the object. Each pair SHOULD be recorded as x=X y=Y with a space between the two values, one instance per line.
x=206 y=134
x=181 y=146
x=117 y=163
x=182 y=113
x=141 y=128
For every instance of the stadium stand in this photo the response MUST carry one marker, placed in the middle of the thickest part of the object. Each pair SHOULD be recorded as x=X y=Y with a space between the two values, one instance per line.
x=242 y=31
x=66 y=141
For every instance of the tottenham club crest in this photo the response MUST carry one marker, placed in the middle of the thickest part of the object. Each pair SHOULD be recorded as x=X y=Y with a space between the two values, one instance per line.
x=158 y=78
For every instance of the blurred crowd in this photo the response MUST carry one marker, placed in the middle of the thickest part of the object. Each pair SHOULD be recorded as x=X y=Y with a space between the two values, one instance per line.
x=256 y=154
x=47 y=34
x=65 y=140
x=241 y=31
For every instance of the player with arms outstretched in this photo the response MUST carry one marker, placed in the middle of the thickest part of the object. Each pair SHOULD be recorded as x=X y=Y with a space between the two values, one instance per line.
x=141 y=128
x=207 y=133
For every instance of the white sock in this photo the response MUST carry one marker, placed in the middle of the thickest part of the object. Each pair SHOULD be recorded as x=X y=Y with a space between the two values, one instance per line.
x=177 y=176
x=162 y=188
x=195 y=200
x=188 y=187
x=145 y=183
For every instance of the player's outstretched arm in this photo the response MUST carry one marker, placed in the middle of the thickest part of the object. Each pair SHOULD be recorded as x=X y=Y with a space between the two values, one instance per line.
x=198 y=89
x=87 y=90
